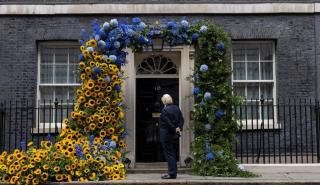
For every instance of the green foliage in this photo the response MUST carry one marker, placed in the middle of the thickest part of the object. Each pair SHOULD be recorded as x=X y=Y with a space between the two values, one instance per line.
x=214 y=122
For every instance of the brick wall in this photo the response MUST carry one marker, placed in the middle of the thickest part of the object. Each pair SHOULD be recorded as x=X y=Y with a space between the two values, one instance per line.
x=295 y=35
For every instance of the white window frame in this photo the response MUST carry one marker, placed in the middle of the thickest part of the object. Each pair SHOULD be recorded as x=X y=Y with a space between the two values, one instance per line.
x=249 y=124
x=46 y=127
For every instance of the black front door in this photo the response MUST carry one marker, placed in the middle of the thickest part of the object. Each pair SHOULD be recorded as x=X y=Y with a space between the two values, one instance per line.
x=148 y=108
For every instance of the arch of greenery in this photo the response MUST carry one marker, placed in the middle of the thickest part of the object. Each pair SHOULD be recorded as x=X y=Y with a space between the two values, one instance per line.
x=91 y=146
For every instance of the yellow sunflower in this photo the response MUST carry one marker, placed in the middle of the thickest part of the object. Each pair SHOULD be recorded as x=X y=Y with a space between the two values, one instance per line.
x=44 y=176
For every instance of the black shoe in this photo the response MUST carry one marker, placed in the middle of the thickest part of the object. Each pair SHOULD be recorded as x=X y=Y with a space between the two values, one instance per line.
x=168 y=177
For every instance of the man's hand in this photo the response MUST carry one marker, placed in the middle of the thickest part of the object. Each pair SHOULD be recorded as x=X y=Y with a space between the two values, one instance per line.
x=178 y=131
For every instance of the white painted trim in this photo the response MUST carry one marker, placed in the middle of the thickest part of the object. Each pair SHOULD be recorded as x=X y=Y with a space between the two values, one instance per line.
x=228 y=8
x=257 y=123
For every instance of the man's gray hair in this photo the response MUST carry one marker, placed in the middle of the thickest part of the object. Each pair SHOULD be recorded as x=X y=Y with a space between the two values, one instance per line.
x=166 y=99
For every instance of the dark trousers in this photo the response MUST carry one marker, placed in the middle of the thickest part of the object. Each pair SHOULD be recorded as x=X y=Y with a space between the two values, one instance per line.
x=169 y=151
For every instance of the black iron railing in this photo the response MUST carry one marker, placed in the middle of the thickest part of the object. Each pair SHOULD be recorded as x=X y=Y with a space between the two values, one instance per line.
x=24 y=121
x=281 y=131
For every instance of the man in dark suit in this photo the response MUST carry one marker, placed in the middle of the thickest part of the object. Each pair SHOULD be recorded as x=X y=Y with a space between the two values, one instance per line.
x=171 y=124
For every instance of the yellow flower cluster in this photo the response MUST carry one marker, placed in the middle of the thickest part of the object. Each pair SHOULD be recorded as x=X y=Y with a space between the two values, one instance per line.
x=90 y=146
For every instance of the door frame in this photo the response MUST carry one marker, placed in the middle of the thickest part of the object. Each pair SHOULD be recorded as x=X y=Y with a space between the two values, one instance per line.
x=185 y=67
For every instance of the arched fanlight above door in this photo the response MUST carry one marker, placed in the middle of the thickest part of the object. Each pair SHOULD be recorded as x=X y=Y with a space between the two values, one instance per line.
x=157 y=65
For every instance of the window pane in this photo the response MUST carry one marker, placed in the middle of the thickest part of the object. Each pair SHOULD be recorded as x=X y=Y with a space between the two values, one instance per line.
x=238 y=53
x=46 y=93
x=241 y=111
x=61 y=73
x=253 y=52
x=47 y=55
x=46 y=73
x=73 y=74
x=61 y=55
x=267 y=109
x=73 y=55
x=239 y=71
x=72 y=93
x=266 y=70
x=253 y=91
x=266 y=90
x=266 y=51
x=253 y=71
x=239 y=89
x=63 y=112
x=252 y=110
x=61 y=93
x=45 y=114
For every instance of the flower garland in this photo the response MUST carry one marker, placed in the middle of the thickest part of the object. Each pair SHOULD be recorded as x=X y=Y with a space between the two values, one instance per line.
x=91 y=145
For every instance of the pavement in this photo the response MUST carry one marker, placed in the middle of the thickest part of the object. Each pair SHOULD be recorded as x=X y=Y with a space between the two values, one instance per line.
x=293 y=174
x=267 y=175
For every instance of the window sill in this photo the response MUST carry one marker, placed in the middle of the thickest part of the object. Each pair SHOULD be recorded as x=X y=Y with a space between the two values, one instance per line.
x=259 y=125
x=47 y=129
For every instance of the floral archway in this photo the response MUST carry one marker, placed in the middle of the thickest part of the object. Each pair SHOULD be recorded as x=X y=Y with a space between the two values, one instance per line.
x=92 y=145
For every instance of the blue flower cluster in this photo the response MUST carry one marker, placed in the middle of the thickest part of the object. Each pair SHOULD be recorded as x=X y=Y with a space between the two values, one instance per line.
x=209 y=153
x=113 y=36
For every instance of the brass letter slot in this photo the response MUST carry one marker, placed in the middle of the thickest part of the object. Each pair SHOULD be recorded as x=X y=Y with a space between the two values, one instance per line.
x=156 y=114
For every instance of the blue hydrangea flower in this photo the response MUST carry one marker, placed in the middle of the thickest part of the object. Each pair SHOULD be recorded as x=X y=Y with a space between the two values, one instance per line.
x=203 y=29
x=129 y=32
x=141 y=25
x=196 y=90
x=81 y=57
x=114 y=23
x=90 y=49
x=101 y=44
x=219 y=114
x=49 y=138
x=127 y=42
x=107 y=79
x=203 y=68
x=106 y=26
x=116 y=44
x=79 y=151
x=195 y=37
x=124 y=134
x=91 y=139
x=85 y=34
x=136 y=20
x=113 y=58
x=120 y=75
x=207 y=146
x=112 y=144
x=94 y=77
x=207 y=127
x=96 y=70
x=141 y=39
x=209 y=156
x=118 y=88
x=97 y=37
x=171 y=25
x=196 y=77
x=23 y=146
x=185 y=23
x=220 y=46
x=207 y=96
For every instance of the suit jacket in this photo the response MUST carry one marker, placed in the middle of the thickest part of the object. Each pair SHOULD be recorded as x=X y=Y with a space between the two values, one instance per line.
x=170 y=118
